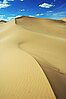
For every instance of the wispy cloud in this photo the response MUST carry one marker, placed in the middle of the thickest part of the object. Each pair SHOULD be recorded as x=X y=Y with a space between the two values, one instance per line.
x=46 y=5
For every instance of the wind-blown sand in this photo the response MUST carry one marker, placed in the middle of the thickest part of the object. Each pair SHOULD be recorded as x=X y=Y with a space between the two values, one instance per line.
x=29 y=46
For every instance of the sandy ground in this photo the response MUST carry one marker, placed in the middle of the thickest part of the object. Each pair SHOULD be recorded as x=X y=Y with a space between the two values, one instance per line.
x=29 y=46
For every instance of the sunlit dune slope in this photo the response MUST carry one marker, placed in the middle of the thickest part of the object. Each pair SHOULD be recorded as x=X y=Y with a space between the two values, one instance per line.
x=24 y=43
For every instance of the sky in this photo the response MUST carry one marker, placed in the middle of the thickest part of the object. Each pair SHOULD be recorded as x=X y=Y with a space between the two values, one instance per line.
x=54 y=9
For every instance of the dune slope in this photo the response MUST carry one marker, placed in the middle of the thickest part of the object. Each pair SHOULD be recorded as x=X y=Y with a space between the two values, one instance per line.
x=28 y=45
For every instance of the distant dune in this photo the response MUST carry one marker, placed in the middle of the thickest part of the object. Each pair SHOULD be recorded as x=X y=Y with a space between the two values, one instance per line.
x=32 y=59
x=2 y=21
x=64 y=19
x=56 y=28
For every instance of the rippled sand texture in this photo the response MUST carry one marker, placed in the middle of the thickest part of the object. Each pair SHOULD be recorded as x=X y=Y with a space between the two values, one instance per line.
x=27 y=46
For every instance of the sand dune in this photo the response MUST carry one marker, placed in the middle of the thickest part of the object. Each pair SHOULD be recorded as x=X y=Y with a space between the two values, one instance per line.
x=64 y=19
x=27 y=45
x=56 y=28
x=2 y=21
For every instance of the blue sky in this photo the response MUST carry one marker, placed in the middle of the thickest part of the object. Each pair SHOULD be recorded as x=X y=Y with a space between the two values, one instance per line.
x=53 y=9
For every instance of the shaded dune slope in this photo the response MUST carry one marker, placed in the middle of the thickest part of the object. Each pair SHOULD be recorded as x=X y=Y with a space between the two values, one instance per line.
x=31 y=39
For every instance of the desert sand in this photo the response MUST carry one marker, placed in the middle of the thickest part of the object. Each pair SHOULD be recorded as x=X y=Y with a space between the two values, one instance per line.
x=32 y=59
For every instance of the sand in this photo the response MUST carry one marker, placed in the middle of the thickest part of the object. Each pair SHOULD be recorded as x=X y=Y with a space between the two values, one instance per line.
x=27 y=45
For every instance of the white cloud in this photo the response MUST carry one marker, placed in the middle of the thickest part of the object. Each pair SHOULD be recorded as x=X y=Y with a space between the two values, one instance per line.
x=31 y=16
x=21 y=0
x=49 y=11
x=4 y=4
x=22 y=10
x=46 y=5
x=39 y=14
x=5 y=1
x=18 y=16
x=10 y=0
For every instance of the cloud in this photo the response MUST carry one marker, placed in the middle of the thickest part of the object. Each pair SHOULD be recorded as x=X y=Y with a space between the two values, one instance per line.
x=31 y=16
x=4 y=4
x=5 y=1
x=18 y=16
x=21 y=0
x=10 y=0
x=46 y=5
x=54 y=0
x=39 y=14
x=22 y=10
x=50 y=11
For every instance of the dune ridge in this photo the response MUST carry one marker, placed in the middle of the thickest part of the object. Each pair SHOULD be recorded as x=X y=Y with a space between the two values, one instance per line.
x=38 y=44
